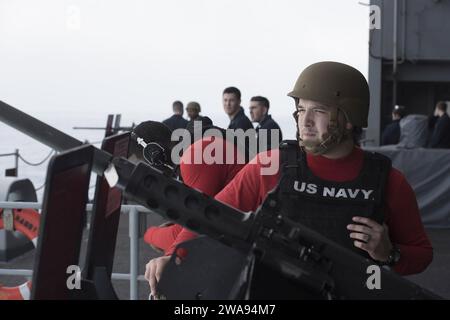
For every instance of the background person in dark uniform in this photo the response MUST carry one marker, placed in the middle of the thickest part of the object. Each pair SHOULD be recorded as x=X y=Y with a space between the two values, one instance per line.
x=440 y=137
x=176 y=121
x=238 y=120
x=259 y=112
x=391 y=134
x=232 y=106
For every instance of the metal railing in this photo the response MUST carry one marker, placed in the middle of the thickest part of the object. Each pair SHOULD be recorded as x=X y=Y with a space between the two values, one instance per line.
x=12 y=172
x=133 y=212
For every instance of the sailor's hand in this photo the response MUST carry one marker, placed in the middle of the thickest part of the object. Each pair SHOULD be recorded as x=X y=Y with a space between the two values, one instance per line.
x=372 y=237
x=153 y=271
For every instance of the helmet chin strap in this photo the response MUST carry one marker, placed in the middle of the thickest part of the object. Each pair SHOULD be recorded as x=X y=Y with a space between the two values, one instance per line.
x=334 y=136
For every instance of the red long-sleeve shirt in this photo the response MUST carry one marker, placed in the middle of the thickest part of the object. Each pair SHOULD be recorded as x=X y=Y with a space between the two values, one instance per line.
x=249 y=188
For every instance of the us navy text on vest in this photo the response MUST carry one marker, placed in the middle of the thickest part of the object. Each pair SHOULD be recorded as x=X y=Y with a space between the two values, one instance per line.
x=332 y=192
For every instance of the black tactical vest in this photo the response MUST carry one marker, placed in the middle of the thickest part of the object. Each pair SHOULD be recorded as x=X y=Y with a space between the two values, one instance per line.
x=328 y=206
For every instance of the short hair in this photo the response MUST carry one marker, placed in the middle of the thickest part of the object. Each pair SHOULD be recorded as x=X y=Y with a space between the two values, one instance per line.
x=442 y=105
x=178 y=106
x=262 y=100
x=234 y=91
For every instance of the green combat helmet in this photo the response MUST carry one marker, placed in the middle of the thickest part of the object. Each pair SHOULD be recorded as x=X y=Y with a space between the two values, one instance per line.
x=336 y=85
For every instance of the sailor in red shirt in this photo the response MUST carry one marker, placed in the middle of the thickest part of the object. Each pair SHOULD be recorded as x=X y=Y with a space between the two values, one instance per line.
x=198 y=176
x=327 y=183
x=403 y=224
x=207 y=178
x=328 y=109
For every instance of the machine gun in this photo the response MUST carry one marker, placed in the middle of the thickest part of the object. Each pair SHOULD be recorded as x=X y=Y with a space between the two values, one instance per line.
x=291 y=251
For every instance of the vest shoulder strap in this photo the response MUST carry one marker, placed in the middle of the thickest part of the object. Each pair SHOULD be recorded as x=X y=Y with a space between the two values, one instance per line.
x=384 y=165
x=386 y=161
x=289 y=150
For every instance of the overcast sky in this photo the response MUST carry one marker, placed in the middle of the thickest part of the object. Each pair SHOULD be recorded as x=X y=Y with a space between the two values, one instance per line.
x=86 y=58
